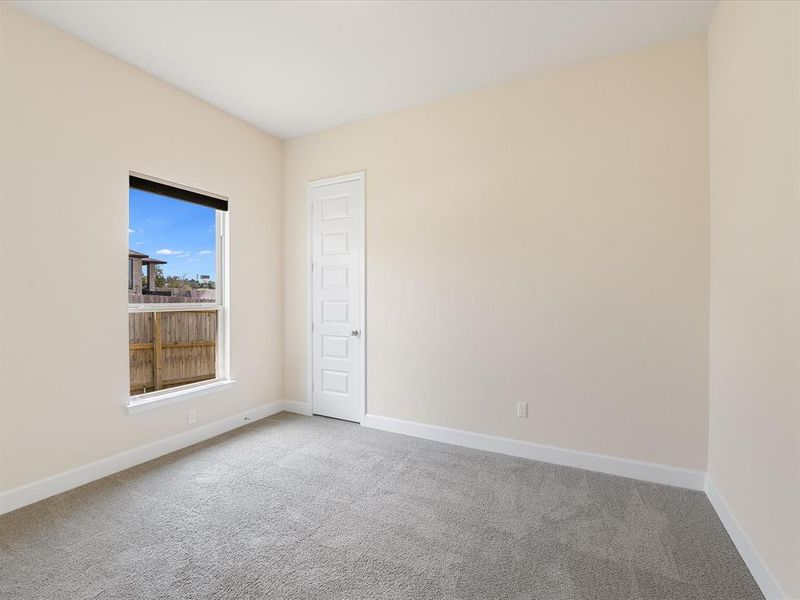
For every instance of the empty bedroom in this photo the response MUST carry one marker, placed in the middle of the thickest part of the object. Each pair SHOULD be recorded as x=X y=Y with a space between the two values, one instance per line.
x=371 y=300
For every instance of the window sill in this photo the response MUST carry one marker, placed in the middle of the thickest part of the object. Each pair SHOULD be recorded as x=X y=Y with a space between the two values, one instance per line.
x=153 y=400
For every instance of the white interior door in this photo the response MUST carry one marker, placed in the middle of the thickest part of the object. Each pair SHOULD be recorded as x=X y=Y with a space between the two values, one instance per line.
x=336 y=297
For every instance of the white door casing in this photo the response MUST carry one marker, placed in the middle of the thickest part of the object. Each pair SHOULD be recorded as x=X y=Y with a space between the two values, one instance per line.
x=337 y=297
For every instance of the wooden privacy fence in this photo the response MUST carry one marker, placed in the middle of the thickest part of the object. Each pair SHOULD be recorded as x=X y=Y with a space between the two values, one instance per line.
x=171 y=348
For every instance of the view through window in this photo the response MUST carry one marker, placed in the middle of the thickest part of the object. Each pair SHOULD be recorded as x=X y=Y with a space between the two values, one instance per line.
x=174 y=292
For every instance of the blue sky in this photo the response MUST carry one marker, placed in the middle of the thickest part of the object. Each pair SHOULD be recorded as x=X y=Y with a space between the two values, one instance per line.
x=181 y=233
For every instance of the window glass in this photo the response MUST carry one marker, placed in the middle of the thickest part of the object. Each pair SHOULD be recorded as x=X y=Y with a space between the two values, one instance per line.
x=175 y=311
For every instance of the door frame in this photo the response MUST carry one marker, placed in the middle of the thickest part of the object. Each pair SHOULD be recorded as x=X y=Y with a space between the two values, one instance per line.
x=360 y=177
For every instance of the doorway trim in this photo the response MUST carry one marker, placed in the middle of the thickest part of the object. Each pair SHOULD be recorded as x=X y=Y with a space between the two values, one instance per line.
x=360 y=177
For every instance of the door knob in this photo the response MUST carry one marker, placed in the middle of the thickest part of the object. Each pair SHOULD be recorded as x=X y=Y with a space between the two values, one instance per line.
x=355 y=332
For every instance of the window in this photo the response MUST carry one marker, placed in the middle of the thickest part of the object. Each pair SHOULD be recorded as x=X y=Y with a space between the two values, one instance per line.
x=176 y=282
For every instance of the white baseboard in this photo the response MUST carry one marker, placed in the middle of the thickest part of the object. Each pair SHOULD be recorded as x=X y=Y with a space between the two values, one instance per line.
x=301 y=408
x=50 y=486
x=685 y=478
x=761 y=573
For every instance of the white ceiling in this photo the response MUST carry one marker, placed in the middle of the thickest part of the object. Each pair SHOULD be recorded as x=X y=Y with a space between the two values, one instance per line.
x=291 y=68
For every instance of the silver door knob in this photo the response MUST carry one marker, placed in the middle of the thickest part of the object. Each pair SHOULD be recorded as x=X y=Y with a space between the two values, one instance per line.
x=355 y=332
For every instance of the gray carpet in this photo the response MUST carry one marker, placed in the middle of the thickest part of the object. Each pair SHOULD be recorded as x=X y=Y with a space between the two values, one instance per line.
x=307 y=507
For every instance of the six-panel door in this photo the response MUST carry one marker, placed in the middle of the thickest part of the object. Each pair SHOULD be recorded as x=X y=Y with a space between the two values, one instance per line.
x=336 y=298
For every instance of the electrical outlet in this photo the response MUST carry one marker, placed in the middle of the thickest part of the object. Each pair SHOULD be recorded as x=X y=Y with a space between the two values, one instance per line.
x=522 y=409
x=191 y=418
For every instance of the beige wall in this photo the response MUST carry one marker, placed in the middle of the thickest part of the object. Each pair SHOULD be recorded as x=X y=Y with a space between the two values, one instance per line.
x=544 y=240
x=74 y=121
x=754 y=134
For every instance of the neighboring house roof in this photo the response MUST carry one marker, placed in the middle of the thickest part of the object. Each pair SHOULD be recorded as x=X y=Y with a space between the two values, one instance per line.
x=145 y=258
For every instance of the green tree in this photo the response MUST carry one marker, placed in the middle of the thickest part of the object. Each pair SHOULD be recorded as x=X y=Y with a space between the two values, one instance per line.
x=182 y=282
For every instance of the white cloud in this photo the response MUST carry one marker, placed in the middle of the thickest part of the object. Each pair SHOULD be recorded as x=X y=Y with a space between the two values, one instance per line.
x=169 y=252
x=205 y=252
x=131 y=230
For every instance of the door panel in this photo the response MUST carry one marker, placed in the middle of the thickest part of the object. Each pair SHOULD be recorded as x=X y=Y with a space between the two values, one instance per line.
x=336 y=213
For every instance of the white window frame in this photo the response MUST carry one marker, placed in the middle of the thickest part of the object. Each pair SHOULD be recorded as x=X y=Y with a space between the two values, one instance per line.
x=221 y=305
